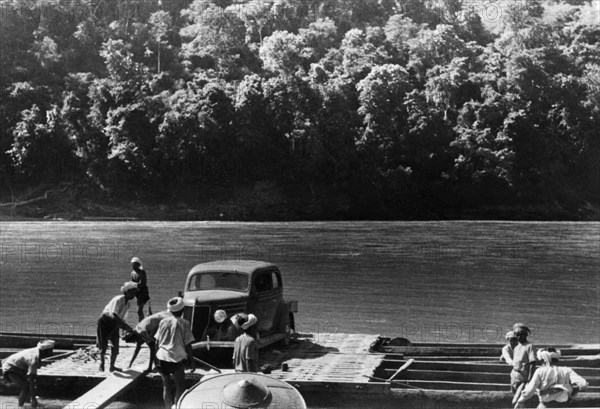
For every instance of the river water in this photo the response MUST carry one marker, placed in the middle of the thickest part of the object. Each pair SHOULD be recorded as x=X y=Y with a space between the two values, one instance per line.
x=452 y=281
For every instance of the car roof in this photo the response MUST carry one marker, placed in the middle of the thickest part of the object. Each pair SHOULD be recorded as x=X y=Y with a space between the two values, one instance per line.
x=241 y=266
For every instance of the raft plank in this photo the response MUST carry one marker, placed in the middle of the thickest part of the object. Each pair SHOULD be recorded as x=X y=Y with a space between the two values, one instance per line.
x=75 y=366
x=462 y=376
x=108 y=390
x=25 y=340
x=478 y=367
x=418 y=351
x=451 y=385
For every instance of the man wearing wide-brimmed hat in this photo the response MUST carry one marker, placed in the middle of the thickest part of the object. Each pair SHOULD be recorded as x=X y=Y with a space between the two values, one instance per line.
x=21 y=369
x=174 y=340
x=110 y=321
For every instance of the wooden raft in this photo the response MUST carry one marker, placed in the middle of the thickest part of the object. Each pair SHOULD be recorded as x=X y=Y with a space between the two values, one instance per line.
x=85 y=366
x=330 y=361
x=108 y=390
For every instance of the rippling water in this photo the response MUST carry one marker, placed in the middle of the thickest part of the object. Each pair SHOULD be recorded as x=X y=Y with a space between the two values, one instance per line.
x=426 y=281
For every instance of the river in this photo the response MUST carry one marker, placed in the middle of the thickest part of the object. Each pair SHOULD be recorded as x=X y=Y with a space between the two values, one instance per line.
x=426 y=281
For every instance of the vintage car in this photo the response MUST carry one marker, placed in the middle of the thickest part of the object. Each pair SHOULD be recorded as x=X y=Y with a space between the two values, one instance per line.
x=240 y=286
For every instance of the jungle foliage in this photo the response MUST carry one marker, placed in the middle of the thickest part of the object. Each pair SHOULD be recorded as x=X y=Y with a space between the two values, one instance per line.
x=391 y=108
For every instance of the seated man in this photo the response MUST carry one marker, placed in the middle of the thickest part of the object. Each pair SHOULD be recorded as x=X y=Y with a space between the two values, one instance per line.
x=555 y=385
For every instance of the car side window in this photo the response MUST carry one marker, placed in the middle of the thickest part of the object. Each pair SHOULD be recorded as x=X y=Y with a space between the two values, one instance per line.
x=264 y=282
x=276 y=280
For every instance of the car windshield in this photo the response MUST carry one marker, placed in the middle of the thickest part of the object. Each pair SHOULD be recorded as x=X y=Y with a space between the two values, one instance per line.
x=219 y=281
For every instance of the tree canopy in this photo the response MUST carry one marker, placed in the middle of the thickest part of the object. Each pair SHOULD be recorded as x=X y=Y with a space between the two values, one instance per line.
x=401 y=108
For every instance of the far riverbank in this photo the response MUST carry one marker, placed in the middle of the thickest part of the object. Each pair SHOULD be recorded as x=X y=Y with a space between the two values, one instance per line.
x=267 y=202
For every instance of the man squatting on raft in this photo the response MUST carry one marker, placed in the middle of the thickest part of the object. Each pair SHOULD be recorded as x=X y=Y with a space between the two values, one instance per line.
x=555 y=385
x=144 y=331
x=174 y=343
x=110 y=321
x=21 y=368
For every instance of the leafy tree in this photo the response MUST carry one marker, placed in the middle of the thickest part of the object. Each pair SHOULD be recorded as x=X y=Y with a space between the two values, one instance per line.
x=160 y=26
x=434 y=47
x=41 y=149
x=522 y=14
x=382 y=94
x=318 y=38
x=399 y=29
x=280 y=52
x=215 y=39
x=361 y=51
x=257 y=19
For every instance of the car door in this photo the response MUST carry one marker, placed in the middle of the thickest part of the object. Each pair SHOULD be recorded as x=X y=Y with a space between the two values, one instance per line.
x=267 y=297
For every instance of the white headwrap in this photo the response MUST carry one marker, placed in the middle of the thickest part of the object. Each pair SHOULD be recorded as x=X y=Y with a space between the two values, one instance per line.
x=129 y=285
x=175 y=304
x=137 y=260
x=251 y=321
x=546 y=356
x=45 y=344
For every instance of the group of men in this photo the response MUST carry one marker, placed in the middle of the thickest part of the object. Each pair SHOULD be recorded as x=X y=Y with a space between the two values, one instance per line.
x=554 y=385
x=167 y=334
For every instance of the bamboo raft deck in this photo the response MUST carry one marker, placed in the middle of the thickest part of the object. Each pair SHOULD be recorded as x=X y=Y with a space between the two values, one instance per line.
x=314 y=357
x=331 y=361
x=86 y=365
x=450 y=375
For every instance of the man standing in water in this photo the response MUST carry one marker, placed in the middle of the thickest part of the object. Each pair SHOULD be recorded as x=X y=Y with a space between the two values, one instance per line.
x=174 y=343
x=21 y=368
x=138 y=275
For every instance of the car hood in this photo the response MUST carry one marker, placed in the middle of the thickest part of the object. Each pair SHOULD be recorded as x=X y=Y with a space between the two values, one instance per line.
x=211 y=296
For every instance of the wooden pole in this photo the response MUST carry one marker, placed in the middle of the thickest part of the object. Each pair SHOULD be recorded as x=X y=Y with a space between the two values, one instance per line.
x=201 y=362
x=402 y=368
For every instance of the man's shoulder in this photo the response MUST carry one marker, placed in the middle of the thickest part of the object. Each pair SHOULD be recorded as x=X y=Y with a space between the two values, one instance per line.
x=167 y=321
x=183 y=322
x=159 y=316
x=30 y=354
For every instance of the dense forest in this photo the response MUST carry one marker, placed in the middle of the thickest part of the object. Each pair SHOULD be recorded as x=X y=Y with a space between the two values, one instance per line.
x=303 y=109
